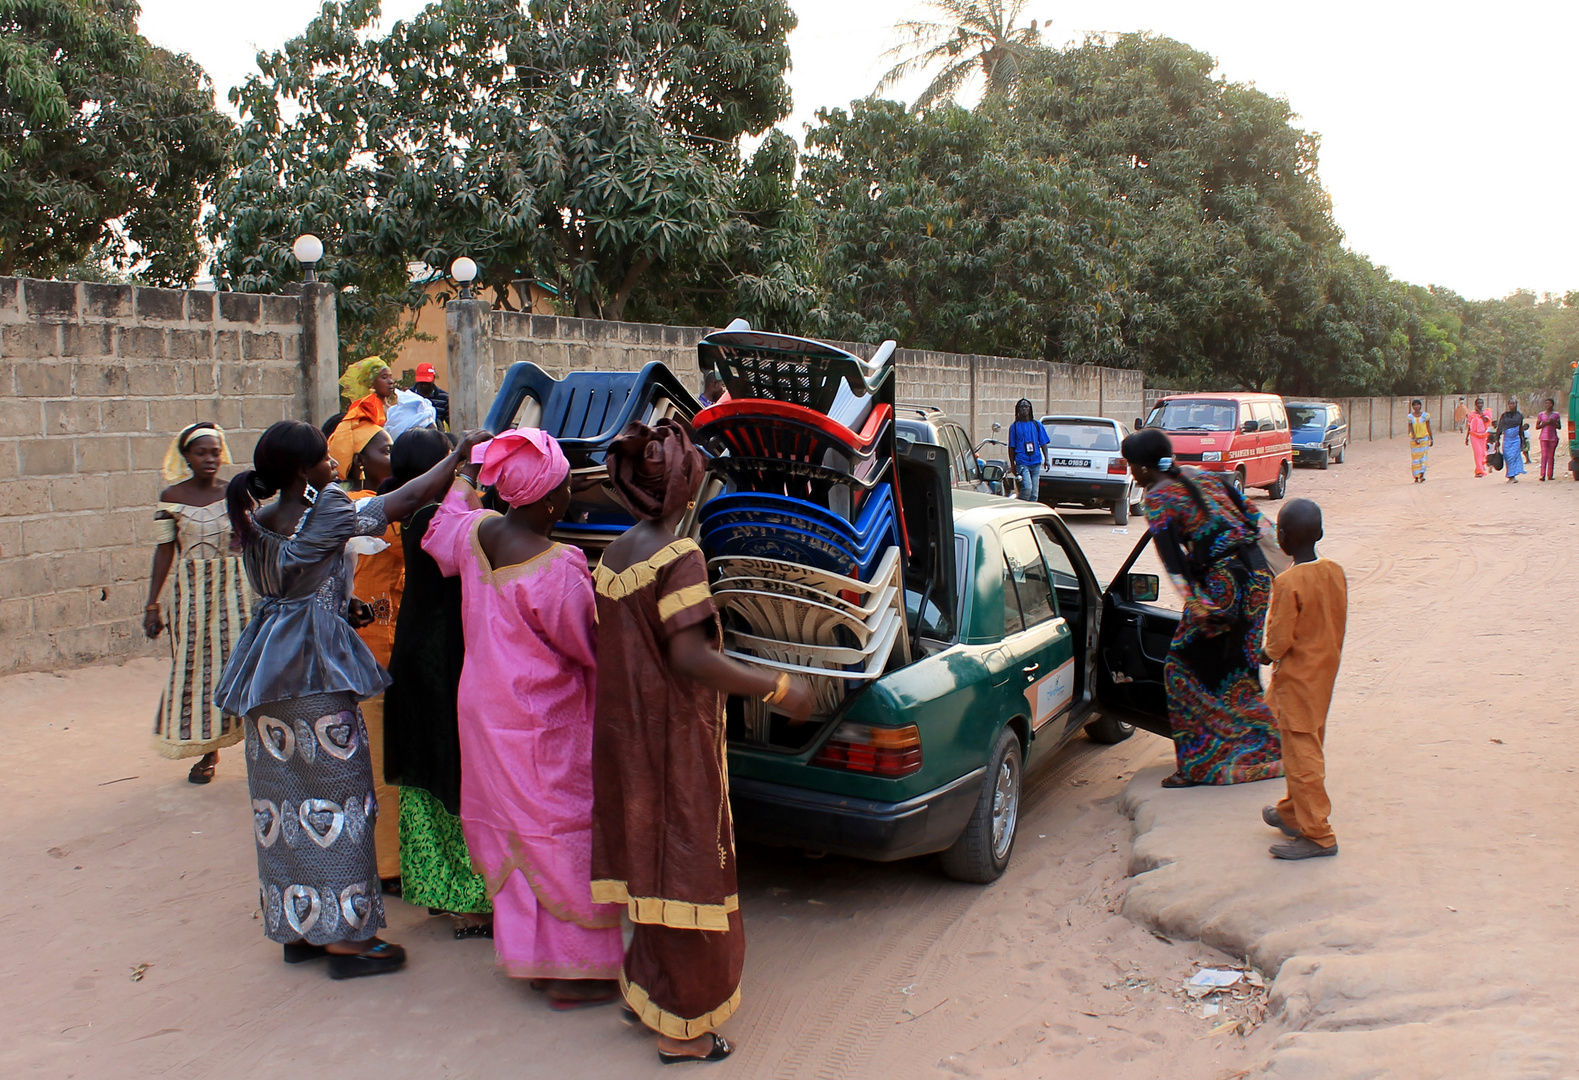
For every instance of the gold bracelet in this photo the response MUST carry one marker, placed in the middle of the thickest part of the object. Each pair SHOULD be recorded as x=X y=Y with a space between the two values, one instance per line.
x=780 y=690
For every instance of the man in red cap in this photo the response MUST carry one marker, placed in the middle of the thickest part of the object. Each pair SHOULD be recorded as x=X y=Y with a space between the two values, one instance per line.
x=430 y=390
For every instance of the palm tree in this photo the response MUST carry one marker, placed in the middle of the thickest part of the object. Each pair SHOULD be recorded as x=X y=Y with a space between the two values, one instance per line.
x=971 y=35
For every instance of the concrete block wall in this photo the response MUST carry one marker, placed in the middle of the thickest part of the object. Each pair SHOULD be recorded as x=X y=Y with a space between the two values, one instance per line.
x=559 y=345
x=94 y=381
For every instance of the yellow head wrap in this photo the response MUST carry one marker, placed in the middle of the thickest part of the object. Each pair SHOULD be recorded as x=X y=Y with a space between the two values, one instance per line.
x=357 y=382
x=363 y=420
x=175 y=467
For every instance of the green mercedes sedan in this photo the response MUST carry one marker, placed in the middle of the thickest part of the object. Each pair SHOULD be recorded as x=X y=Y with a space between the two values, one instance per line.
x=1014 y=650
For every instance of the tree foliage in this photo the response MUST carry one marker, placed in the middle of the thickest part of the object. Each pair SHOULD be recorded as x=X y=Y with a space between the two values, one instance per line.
x=1126 y=205
x=591 y=144
x=969 y=37
x=109 y=146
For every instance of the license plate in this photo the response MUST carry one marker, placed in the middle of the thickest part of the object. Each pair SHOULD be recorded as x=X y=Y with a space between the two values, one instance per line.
x=1070 y=463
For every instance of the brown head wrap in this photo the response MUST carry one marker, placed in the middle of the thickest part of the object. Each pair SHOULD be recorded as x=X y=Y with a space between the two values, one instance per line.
x=655 y=469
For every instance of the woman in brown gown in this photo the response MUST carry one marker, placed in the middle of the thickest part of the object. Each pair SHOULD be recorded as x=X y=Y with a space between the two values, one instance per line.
x=662 y=840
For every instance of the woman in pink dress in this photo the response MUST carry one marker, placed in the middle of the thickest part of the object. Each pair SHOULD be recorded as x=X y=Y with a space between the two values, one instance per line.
x=525 y=717
x=1476 y=426
x=1549 y=423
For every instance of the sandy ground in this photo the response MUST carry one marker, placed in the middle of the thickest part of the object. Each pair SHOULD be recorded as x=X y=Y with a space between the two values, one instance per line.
x=1442 y=940
x=853 y=969
x=1443 y=932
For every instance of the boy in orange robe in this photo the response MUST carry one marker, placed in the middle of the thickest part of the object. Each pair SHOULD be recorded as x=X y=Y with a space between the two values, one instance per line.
x=1304 y=640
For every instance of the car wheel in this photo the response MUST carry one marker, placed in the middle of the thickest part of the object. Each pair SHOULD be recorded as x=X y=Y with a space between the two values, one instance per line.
x=981 y=854
x=1326 y=457
x=1342 y=450
x=1121 y=510
x=1109 y=730
x=1279 y=487
x=1237 y=479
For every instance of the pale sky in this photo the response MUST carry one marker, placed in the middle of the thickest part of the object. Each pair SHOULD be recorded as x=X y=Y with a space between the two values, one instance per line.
x=1447 y=129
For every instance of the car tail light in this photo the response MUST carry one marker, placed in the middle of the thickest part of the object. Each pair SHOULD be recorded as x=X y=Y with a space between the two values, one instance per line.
x=1116 y=466
x=881 y=751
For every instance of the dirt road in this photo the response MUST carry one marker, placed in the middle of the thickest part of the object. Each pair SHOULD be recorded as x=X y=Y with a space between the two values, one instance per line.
x=859 y=970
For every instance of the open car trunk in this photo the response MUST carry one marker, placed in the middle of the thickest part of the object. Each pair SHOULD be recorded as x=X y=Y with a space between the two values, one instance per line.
x=1132 y=648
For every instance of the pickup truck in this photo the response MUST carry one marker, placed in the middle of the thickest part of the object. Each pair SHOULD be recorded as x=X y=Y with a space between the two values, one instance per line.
x=1017 y=649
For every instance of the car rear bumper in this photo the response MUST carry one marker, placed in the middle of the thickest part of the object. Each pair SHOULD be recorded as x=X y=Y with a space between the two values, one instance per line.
x=1085 y=491
x=787 y=816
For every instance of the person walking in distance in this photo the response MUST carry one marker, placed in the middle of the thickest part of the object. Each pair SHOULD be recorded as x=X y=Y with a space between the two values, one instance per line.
x=1420 y=439
x=1510 y=433
x=1029 y=440
x=427 y=386
x=1304 y=643
x=1460 y=414
x=1477 y=425
x=1547 y=425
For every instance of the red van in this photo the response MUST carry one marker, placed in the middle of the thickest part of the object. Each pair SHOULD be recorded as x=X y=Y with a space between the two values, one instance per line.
x=1243 y=434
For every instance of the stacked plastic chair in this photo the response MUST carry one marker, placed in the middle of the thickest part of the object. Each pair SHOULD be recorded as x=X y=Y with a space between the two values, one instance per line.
x=586 y=411
x=806 y=542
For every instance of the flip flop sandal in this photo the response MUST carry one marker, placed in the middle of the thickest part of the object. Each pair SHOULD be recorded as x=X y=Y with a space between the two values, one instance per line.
x=201 y=773
x=1178 y=780
x=381 y=958
x=721 y=1050
x=299 y=952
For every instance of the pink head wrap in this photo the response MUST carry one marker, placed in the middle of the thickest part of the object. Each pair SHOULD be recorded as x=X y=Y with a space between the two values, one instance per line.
x=522 y=464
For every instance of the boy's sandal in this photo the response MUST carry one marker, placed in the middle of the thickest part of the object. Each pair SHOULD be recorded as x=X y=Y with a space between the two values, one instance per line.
x=299 y=952
x=202 y=772
x=721 y=1050
x=381 y=958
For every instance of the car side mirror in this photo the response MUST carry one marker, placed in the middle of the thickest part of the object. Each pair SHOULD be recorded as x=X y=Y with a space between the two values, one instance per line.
x=1139 y=423
x=1250 y=427
x=1144 y=588
x=991 y=474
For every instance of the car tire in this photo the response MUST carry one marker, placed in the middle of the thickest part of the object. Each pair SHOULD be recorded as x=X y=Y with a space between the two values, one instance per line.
x=1237 y=479
x=1342 y=450
x=1121 y=510
x=1108 y=730
x=1326 y=457
x=1279 y=486
x=982 y=852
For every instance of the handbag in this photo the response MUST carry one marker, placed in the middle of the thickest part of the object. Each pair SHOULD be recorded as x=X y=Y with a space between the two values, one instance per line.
x=1494 y=459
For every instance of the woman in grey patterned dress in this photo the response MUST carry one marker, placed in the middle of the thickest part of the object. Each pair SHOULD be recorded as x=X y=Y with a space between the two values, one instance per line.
x=297 y=675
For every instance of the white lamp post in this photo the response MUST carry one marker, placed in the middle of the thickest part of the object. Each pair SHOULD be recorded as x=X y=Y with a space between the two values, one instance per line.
x=308 y=249
x=464 y=271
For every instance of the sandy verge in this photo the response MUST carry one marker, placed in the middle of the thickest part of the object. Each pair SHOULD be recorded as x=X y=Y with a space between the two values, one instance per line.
x=1442 y=941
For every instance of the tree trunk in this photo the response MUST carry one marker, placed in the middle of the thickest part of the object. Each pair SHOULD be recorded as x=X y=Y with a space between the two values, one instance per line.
x=615 y=308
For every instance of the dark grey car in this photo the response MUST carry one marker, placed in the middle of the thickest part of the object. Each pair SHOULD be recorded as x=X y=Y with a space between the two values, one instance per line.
x=1320 y=432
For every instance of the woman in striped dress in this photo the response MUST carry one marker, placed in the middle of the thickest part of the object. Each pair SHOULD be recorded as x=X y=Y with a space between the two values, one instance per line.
x=209 y=602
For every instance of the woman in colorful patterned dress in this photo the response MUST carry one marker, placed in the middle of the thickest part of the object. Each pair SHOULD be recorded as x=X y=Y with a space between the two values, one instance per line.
x=297 y=675
x=1420 y=439
x=1206 y=533
x=209 y=603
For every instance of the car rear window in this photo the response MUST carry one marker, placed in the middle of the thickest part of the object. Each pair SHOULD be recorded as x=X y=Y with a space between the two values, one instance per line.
x=1307 y=416
x=1195 y=415
x=1067 y=435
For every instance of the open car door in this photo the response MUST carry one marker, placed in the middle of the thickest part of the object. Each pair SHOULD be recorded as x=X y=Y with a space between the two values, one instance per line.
x=1132 y=646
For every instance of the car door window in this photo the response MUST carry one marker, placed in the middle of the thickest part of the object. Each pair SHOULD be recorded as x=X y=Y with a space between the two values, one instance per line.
x=1279 y=417
x=965 y=461
x=1029 y=572
x=1261 y=412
